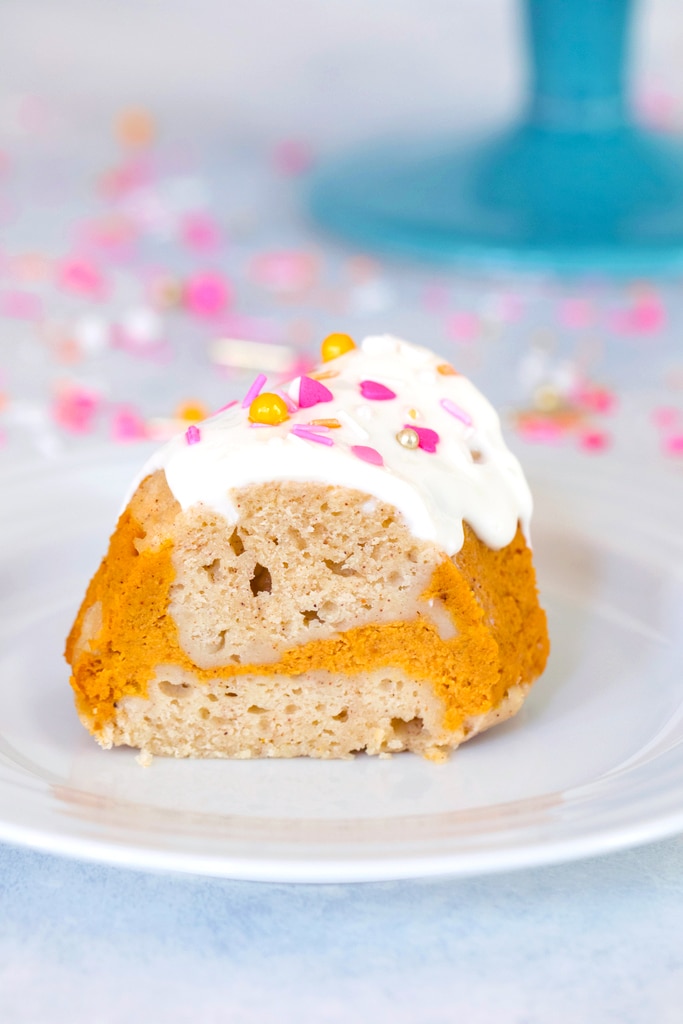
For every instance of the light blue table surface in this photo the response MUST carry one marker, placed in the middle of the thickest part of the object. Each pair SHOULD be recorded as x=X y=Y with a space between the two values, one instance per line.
x=595 y=941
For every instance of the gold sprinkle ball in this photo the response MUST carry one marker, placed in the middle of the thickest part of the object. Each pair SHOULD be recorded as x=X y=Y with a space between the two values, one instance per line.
x=547 y=398
x=408 y=438
x=336 y=345
x=268 y=408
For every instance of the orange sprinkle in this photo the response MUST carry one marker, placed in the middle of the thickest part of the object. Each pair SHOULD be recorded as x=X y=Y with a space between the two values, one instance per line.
x=336 y=345
x=191 y=411
x=268 y=408
x=446 y=370
x=332 y=424
x=323 y=374
x=135 y=127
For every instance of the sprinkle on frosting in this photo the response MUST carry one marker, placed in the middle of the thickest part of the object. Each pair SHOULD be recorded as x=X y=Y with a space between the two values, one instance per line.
x=456 y=411
x=371 y=455
x=312 y=392
x=311 y=435
x=367 y=445
x=193 y=435
x=408 y=438
x=268 y=409
x=254 y=390
x=427 y=439
x=336 y=345
x=375 y=391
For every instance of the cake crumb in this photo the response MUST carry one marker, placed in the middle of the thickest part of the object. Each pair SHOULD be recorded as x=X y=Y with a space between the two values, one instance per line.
x=144 y=758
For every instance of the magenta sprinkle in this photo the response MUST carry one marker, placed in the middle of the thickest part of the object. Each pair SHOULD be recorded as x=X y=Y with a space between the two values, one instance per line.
x=456 y=411
x=370 y=455
x=428 y=438
x=376 y=392
x=312 y=392
x=310 y=435
x=254 y=390
x=193 y=435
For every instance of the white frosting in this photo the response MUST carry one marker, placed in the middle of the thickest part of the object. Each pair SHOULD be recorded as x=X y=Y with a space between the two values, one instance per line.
x=435 y=492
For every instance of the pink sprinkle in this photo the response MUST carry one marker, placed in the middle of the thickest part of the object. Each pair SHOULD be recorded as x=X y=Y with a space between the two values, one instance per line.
x=207 y=294
x=673 y=445
x=665 y=416
x=456 y=411
x=646 y=316
x=370 y=455
x=576 y=313
x=82 y=277
x=428 y=438
x=540 y=430
x=312 y=392
x=75 y=409
x=127 y=425
x=594 y=440
x=254 y=390
x=200 y=232
x=463 y=326
x=596 y=399
x=292 y=156
x=309 y=435
x=193 y=435
x=376 y=392
x=20 y=305
x=224 y=408
x=317 y=428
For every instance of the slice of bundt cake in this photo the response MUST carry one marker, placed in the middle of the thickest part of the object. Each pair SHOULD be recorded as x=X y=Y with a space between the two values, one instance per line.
x=336 y=566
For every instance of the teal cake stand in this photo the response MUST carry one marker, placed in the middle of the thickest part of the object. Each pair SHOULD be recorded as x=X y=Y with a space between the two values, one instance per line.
x=575 y=185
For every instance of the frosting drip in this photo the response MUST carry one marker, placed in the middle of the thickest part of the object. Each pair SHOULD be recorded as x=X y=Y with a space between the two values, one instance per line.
x=448 y=465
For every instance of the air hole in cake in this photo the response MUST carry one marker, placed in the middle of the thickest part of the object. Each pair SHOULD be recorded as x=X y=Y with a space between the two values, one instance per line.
x=235 y=543
x=404 y=730
x=174 y=689
x=339 y=568
x=204 y=713
x=212 y=697
x=291 y=709
x=235 y=658
x=342 y=716
x=386 y=523
x=261 y=581
x=256 y=710
x=213 y=569
x=310 y=616
x=328 y=610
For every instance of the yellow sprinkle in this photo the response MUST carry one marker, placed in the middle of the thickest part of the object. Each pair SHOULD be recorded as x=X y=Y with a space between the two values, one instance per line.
x=191 y=412
x=268 y=408
x=414 y=414
x=336 y=345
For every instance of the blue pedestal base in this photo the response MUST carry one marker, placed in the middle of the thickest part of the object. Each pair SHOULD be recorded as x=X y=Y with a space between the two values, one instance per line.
x=604 y=200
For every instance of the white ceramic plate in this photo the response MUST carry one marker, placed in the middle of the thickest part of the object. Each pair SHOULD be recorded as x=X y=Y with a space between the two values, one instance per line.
x=593 y=762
